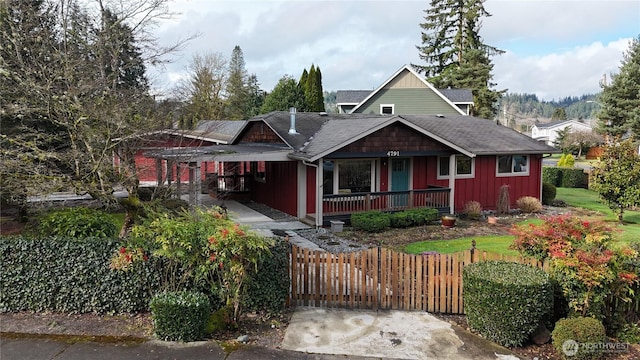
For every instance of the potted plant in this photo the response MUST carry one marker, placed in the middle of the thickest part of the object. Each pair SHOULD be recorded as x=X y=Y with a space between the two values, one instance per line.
x=448 y=221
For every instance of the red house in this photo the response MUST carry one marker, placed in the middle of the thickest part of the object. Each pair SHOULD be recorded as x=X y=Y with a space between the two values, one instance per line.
x=207 y=133
x=319 y=166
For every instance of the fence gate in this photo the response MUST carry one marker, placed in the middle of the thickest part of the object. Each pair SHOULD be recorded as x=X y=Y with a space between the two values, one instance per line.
x=380 y=278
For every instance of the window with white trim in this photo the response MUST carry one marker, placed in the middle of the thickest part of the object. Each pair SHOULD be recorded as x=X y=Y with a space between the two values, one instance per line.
x=465 y=167
x=387 y=109
x=348 y=176
x=512 y=165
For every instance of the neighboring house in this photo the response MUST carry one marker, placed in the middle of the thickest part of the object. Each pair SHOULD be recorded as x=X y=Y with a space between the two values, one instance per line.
x=548 y=133
x=346 y=100
x=407 y=93
x=319 y=166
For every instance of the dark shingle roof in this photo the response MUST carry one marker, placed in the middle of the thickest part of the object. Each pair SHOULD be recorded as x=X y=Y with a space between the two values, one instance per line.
x=458 y=95
x=551 y=124
x=479 y=136
x=351 y=96
x=320 y=134
x=223 y=130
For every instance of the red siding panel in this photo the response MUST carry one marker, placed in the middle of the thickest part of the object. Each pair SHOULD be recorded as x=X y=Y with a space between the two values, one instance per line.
x=280 y=189
x=311 y=190
x=485 y=185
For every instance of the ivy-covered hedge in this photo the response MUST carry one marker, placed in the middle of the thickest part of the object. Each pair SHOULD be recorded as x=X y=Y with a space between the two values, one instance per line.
x=506 y=301
x=269 y=286
x=180 y=316
x=73 y=276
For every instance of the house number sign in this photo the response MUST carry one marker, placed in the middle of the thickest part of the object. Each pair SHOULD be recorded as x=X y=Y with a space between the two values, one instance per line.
x=392 y=153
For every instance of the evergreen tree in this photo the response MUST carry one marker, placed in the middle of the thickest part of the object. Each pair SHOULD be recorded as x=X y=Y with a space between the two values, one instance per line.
x=255 y=96
x=285 y=94
x=237 y=88
x=559 y=114
x=453 y=50
x=309 y=91
x=319 y=93
x=304 y=86
x=311 y=85
x=621 y=100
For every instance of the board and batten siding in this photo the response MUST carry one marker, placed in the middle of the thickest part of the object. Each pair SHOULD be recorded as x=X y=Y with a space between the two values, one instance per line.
x=279 y=189
x=408 y=101
x=485 y=185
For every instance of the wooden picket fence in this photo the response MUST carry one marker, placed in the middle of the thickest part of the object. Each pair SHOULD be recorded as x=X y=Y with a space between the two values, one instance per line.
x=380 y=278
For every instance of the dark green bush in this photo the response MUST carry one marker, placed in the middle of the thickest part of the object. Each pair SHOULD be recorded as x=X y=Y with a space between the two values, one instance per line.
x=73 y=276
x=578 y=338
x=77 y=223
x=401 y=219
x=269 y=286
x=552 y=175
x=422 y=216
x=180 y=316
x=573 y=178
x=548 y=193
x=506 y=301
x=371 y=221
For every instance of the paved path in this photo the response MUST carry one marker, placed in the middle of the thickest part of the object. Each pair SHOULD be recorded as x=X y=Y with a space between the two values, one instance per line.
x=385 y=334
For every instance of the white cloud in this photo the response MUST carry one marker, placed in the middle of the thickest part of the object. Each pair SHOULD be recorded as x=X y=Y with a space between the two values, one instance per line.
x=554 y=48
x=552 y=76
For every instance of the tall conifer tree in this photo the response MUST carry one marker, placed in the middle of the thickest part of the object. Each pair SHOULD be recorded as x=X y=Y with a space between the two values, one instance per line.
x=621 y=99
x=454 y=53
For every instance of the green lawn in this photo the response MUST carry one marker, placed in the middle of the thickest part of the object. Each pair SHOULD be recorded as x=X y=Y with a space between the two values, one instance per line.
x=588 y=199
x=581 y=198
x=495 y=244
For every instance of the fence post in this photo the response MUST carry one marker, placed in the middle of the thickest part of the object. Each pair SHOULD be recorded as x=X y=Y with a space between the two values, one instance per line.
x=473 y=249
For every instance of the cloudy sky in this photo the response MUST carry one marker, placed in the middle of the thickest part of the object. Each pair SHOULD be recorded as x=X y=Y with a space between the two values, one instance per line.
x=553 y=48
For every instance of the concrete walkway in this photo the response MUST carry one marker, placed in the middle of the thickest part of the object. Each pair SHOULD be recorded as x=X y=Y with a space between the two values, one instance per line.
x=263 y=225
x=385 y=334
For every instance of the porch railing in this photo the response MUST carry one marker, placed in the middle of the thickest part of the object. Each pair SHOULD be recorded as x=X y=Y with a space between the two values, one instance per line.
x=345 y=204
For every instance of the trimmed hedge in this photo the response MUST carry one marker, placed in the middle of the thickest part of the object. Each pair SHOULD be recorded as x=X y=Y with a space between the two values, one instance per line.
x=73 y=276
x=578 y=338
x=506 y=301
x=564 y=177
x=269 y=286
x=371 y=221
x=573 y=178
x=552 y=175
x=180 y=316
x=548 y=193
x=422 y=216
x=376 y=221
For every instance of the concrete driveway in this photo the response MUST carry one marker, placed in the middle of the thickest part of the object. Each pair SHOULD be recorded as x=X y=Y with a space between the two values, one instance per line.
x=385 y=334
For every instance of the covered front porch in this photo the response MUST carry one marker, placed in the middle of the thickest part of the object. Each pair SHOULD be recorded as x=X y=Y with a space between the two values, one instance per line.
x=341 y=206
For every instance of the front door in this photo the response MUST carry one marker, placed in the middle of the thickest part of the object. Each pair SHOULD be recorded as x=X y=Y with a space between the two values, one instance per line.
x=400 y=181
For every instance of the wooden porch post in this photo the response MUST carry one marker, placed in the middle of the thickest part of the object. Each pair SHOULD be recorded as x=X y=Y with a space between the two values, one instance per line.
x=452 y=183
x=159 y=164
x=178 y=180
x=319 y=192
